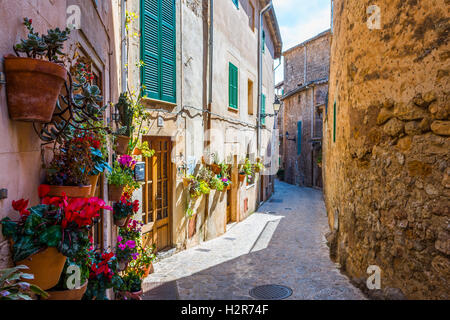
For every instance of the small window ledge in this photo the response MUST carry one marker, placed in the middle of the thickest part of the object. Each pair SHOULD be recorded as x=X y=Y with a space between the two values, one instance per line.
x=149 y=102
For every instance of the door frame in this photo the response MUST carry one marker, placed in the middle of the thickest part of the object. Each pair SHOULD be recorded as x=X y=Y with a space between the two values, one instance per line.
x=153 y=226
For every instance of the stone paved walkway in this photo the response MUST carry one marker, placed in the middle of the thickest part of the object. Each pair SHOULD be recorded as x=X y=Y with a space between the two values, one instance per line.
x=283 y=243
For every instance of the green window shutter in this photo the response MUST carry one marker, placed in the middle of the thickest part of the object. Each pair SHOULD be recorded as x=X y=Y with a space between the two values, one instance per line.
x=236 y=3
x=299 y=138
x=158 y=49
x=168 y=47
x=233 y=86
x=263 y=109
x=334 y=122
x=263 y=43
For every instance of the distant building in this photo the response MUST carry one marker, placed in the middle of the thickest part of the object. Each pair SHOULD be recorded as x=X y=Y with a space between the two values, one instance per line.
x=305 y=88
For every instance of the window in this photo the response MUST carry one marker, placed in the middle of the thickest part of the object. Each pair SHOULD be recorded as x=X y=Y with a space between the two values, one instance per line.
x=299 y=138
x=251 y=18
x=263 y=109
x=263 y=44
x=233 y=87
x=236 y=3
x=158 y=49
x=250 y=96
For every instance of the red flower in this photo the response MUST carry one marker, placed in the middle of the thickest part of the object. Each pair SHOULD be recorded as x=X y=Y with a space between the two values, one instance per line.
x=136 y=206
x=20 y=205
x=43 y=190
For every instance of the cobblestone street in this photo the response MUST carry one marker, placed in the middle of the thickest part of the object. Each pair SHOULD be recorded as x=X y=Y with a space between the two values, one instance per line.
x=283 y=243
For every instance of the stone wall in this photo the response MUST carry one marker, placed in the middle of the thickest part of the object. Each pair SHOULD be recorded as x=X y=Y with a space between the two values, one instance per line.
x=300 y=104
x=387 y=175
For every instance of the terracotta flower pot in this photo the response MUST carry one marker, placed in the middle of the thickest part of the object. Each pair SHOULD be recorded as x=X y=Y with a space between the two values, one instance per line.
x=241 y=177
x=137 y=152
x=148 y=270
x=46 y=266
x=74 y=294
x=114 y=192
x=229 y=187
x=192 y=225
x=216 y=168
x=132 y=295
x=71 y=191
x=121 y=222
x=186 y=182
x=93 y=182
x=32 y=88
x=122 y=144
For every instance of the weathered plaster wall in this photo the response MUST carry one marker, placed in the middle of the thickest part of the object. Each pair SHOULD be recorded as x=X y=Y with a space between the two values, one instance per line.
x=387 y=175
x=20 y=149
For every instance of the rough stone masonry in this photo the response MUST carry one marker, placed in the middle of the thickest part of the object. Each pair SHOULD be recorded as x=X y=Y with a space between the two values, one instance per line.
x=387 y=185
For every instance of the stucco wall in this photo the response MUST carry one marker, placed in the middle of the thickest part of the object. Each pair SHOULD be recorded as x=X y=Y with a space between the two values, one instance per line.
x=387 y=178
x=20 y=147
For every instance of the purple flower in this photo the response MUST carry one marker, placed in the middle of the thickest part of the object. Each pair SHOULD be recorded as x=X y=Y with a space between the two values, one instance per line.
x=122 y=246
x=135 y=255
x=119 y=239
x=5 y=293
x=131 y=244
x=126 y=161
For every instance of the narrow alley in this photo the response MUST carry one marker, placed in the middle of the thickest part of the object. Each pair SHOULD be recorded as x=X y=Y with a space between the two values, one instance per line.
x=283 y=243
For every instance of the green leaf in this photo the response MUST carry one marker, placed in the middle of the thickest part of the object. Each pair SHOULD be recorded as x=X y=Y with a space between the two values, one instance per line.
x=51 y=236
x=33 y=220
x=35 y=289
x=9 y=228
x=24 y=247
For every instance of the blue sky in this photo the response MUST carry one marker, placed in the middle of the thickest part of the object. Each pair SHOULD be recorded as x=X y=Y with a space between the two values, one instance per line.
x=300 y=20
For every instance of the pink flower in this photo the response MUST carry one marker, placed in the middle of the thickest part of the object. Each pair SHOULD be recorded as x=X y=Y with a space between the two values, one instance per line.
x=119 y=239
x=131 y=244
x=122 y=246
x=126 y=161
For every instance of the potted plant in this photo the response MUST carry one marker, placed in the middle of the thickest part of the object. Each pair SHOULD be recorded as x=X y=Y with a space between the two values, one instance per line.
x=188 y=180
x=33 y=83
x=215 y=167
x=120 y=177
x=99 y=159
x=145 y=260
x=46 y=234
x=102 y=275
x=258 y=166
x=124 y=209
x=227 y=183
x=143 y=149
x=125 y=123
x=13 y=286
x=126 y=251
x=69 y=170
x=216 y=183
x=131 y=288
x=246 y=170
x=62 y=292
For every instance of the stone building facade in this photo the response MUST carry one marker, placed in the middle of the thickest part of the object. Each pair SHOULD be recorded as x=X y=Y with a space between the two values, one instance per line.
x=200 y=120
x=306 y=71
x=386 y=144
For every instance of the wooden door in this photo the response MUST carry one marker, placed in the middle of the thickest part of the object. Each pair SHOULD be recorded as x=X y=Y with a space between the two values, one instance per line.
x=156 y=209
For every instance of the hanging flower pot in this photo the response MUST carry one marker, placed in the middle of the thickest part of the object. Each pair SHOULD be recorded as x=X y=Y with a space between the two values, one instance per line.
x=216 y=168
x=46 y=266
x=137 y=152
x=93 y=182
x=121 y=222
x=229 y=187
x=186 y=182
x=71 y=191
x=114 y=192
x=32 y=88
x=242 y=177
x=122 y=144
x=74 y=294
x=148 y=270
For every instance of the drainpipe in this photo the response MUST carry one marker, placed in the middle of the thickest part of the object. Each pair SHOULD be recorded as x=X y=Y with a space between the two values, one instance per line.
x=211 y=48
x=124 y=52
x=260 y=69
